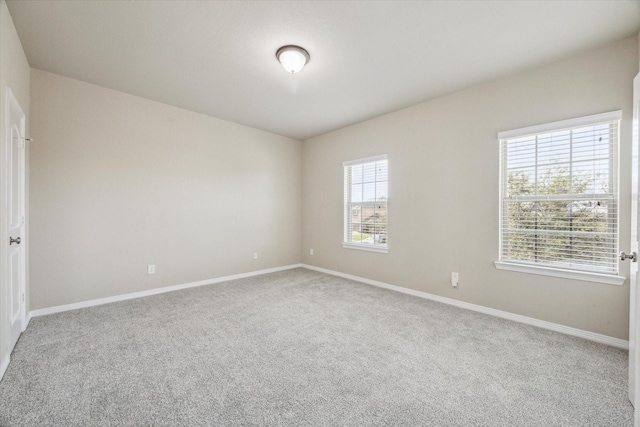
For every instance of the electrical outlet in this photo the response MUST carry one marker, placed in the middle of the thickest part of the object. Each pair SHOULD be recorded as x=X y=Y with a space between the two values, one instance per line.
x=255 y=255
x=151 y=269
x=454 y=280
x=311 y=251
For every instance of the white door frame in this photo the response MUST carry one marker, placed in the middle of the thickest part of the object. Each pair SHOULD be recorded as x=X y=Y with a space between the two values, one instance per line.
x=634 y=279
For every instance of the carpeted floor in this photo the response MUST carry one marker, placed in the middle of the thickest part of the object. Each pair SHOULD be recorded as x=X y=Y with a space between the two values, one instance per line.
x=304 y=348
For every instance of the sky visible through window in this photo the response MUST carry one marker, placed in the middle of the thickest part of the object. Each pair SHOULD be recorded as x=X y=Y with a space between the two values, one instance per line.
x=369 y=182
x=582 y=153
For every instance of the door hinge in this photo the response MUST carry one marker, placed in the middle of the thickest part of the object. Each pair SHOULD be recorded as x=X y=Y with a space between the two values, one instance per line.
x=22 y=297
x=22 y=220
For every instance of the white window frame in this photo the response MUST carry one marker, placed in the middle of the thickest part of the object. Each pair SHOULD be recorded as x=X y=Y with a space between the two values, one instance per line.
x=380 y=248
x=546 y=270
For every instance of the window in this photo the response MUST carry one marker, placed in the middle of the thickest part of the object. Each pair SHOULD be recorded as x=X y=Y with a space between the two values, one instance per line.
x=559 y=198
x=365 y=204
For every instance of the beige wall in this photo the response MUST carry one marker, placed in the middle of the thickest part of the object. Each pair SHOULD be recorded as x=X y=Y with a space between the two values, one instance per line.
x=119 y=182
x=443 y=190
x=14 y=73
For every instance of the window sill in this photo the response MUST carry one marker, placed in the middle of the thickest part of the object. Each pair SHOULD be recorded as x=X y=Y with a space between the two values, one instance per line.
x=378 y=249
x=609 y=279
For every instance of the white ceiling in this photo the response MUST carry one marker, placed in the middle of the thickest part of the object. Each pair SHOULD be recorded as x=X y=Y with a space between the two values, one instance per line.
x=367 y=58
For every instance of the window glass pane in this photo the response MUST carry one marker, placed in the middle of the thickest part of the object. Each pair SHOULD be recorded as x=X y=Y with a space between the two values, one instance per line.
x=369 y=192
x=356 y=174
x=591 y=143
x=552 y=248
x=554 y=216
x=521 y=182
x=521 y=152
x=381 y=223
x=356 y=222
x=590 y=216
x=356 y=193
x=554 y=148
x=381 y=191
x=591 y=177
x=369 y=172
x=520 y=246
x=522 y=215
x=356 y=216
x=368 y=224
x=553 y=179
x=381 y=170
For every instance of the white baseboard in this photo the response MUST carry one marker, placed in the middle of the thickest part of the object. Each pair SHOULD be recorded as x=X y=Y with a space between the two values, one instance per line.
x=4 y=364
x=591 y=336
x=123 y=297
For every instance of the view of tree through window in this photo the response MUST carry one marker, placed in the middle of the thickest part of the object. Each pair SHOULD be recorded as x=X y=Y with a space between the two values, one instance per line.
x=366 y=203
x=559 y=198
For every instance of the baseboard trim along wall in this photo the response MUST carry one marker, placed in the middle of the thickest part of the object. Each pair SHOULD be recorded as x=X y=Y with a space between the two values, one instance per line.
x=124 y=297
x=567 y=330
x=4 y=365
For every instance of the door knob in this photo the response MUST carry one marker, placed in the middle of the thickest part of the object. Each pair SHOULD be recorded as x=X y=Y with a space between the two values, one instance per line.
x=632 y=256
x=12 y=240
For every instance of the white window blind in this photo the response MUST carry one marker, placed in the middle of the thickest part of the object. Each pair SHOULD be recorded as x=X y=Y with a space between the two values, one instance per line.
x=559 y=194
x=365 y=203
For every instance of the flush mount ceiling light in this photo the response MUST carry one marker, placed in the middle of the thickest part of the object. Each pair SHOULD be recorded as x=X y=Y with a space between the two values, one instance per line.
x=292 y=58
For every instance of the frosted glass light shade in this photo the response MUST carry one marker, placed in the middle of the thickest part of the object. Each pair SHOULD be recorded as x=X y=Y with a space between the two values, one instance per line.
x=292 y=58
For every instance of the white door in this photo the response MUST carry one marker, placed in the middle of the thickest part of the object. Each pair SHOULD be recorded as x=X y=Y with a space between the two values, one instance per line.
x=634 y=284
x=15 y=266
